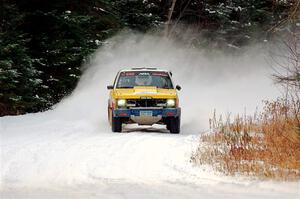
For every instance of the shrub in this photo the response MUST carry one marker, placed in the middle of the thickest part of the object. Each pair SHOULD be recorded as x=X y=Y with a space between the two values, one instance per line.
x=266 y=145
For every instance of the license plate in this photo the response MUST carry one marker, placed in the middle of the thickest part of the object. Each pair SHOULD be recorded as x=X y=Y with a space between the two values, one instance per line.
x=145 y=113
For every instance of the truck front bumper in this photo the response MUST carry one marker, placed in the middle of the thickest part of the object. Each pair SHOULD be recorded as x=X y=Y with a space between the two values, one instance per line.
x=142 y=112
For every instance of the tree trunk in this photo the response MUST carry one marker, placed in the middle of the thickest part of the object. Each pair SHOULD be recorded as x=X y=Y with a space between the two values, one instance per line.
x=1 y=15
x=170 y=13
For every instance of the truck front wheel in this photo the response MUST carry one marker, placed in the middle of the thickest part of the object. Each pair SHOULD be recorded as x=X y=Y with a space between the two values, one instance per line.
x=116 y=124
x=174 y=125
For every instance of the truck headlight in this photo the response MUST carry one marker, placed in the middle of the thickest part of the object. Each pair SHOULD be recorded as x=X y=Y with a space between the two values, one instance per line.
x=121 y=102
x=171 y=103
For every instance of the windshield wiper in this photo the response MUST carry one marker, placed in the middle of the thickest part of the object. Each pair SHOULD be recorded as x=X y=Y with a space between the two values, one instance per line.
x=126 y=87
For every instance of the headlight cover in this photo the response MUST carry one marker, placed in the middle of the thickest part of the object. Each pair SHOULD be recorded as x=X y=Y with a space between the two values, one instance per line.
x=121 y=102
x=171 y=102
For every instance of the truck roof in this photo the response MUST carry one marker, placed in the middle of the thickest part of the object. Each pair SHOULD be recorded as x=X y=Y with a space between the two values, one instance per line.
x=144 y=69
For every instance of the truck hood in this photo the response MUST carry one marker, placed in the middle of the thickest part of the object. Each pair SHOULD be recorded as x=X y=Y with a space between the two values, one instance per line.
x=144 y=91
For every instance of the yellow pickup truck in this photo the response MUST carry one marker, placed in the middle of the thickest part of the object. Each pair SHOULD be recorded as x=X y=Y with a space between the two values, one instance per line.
x=145 y=96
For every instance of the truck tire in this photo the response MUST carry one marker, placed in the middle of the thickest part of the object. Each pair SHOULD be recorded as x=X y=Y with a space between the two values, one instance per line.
x=175 y=125
x=116 y=124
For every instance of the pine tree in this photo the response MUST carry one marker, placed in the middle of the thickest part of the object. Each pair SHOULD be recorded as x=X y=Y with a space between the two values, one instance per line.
x=19 y=80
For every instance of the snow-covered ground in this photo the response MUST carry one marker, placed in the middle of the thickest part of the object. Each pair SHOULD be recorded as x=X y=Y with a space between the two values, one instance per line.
x=42 y=157
x=70 y=152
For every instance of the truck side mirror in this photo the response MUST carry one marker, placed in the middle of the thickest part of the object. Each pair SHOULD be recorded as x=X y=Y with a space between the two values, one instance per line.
x=110 y=87
x=178 y=87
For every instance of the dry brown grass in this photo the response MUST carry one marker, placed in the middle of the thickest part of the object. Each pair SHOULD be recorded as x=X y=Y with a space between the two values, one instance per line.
x=266 y=145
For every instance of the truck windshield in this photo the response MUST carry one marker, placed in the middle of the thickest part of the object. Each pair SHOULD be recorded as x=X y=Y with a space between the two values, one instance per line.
x=142 y=78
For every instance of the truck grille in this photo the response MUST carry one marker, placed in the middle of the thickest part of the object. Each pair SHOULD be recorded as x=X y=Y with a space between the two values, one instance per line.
x=146 y=102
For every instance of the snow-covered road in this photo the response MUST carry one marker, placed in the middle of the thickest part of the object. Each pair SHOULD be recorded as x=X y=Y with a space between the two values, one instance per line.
x=70 y=152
